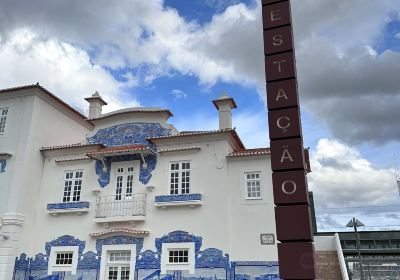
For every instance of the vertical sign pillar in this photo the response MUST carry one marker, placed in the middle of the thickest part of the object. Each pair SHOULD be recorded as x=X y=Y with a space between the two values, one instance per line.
x=292 y=212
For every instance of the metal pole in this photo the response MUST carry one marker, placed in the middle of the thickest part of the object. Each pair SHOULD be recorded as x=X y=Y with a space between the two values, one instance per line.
x=358 y=248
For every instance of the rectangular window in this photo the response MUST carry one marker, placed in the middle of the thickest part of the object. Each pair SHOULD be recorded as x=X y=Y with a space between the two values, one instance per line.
x=3 y=119
x=72 y=185
x=180 y=178
x=64 y=258
x=124 y=183
x=178 y=256
x=118 y=265
x=253 y=185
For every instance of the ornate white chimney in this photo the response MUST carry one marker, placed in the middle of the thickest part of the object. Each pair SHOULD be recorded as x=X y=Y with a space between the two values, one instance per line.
x=96 y=104
x=224 y=104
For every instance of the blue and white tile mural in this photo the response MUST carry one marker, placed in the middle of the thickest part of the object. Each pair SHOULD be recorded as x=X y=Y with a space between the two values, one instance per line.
x=210 y=263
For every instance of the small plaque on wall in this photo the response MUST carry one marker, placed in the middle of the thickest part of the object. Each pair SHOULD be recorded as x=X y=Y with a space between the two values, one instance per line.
x=267 y=238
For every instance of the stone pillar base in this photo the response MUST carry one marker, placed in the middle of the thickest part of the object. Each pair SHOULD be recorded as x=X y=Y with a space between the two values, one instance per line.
x=10 y=232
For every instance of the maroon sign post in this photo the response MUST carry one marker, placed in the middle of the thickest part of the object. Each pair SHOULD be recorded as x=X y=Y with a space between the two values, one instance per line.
x=292 y=212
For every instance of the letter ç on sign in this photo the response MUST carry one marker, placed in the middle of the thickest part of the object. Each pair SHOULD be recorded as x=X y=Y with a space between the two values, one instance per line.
x=299 y=227
x=284 y=123
x=276 y=15
x=290 y=187
x=296 y=260
x=280 y=66
x=287 y=154
x=282 y=94
x=278 y=40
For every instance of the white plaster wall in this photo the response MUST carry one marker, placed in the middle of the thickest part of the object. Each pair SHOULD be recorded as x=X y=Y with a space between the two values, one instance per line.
x=325 y=243
x=223 y=221
x=250 y=218
x=12 y=141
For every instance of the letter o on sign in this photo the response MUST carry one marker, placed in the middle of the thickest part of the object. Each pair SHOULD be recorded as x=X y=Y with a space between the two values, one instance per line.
x=287 y=189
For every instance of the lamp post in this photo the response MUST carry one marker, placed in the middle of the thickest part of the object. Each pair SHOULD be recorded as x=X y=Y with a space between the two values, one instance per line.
x=354 y=223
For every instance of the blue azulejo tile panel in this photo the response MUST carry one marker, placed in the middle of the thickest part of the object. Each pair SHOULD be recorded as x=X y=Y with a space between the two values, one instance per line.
x=65 y=240
x=3 y=164
x=103 y=168
x=68 y=205
x=255 y=270
x=210 y=263
x=178 y=197
x=177 y=237
x=128 y=134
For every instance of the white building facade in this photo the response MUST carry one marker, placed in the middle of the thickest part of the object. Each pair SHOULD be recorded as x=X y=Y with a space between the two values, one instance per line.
x=124 y=195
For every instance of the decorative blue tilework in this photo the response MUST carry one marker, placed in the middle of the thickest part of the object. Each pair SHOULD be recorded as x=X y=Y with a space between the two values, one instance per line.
x=40 y=262
x=22 y=262
x=128 y=134
x=212 y=258
x=178 y=237
x=178 y=197
x=68 y=205
x=89 y=260
x=144 y=175
x=3 y=164
x=65 y=240
x=119 y=239
x=148 y=260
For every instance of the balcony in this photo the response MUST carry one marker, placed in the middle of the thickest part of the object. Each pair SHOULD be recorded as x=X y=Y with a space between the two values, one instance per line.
x=126 y=209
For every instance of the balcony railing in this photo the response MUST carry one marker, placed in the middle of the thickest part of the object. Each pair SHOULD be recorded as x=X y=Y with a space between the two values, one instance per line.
x=121 y=206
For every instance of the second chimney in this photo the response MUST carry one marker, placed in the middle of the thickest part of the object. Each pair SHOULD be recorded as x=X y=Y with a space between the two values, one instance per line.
x=96 y=104
x=224 y=105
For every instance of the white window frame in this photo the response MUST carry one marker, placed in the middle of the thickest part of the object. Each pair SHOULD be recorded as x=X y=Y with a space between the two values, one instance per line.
x=247 y=197
x=134 y=173
x=2 y=109
x=167 y=266
x=180 y=170
x=53 y=267
x=104 y=261
x=71 y=195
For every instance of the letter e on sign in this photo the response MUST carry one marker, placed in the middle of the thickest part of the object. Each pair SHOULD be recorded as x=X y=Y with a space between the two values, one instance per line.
x=276 y=15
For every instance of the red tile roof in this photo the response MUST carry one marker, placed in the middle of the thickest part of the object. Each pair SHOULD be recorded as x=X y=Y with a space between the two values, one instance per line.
x=134 y=110
x=77 y=145
x=120 y=149
x=250 y=152
x=49 y=94
x=201 y=133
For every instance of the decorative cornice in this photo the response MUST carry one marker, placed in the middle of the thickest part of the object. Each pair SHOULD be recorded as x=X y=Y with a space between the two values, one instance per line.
x=179 y=149
x=120 y=230
x=72 y=159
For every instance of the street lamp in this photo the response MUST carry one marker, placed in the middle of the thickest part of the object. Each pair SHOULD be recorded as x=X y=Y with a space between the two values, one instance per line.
x=354 y=223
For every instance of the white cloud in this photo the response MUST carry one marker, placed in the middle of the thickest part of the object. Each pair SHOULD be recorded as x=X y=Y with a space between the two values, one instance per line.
x=62 y=68
x=397 y=35
x=179 y=94
x=342 y=177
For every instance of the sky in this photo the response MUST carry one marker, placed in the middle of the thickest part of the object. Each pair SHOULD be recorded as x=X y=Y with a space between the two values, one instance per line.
x=180 y=55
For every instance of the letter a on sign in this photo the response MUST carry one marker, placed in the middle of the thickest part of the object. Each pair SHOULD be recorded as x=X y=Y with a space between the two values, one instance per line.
x=282 y=94
x=287 y=154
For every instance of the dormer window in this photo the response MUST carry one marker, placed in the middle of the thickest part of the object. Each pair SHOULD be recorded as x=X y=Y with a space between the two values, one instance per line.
x=3 y=119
